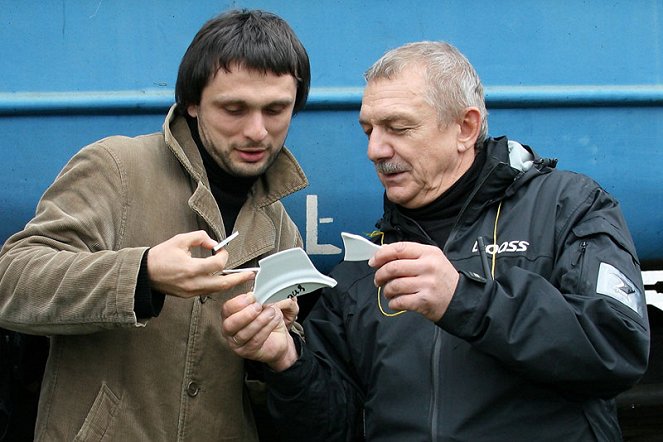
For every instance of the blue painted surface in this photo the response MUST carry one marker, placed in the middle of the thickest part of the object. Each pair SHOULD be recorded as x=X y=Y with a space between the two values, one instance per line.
x=580 y=81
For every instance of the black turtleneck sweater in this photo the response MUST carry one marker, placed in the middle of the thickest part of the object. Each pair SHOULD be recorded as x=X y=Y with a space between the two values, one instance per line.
x=438 y=218
x=230 y=192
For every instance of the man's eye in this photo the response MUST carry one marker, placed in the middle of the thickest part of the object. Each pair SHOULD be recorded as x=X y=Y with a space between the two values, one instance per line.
x=274 y=110
x=234 y=110
x=397 y=130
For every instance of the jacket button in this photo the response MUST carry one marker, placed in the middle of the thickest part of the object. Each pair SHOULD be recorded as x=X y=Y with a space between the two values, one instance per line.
x=192 y=389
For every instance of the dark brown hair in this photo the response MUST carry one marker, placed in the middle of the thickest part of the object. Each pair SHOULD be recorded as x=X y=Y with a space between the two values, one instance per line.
x=253 y=39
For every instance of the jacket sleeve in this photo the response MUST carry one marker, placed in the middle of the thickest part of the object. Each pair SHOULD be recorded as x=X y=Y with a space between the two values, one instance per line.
x=62 y=273
x=317 y=399
x=583 y=327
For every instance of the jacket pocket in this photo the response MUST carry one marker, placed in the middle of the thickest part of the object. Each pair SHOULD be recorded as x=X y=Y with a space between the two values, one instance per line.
x=597 y=226
x=606 y=263
x=100 y=417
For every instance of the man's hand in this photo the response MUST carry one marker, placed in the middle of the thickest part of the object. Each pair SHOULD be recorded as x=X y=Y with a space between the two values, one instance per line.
x=290 y=309
x=173 y=271
x=259 y=332
x=415 y=277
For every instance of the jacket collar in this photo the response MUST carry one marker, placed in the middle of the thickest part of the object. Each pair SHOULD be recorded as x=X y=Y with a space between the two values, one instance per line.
x=283 y=178
x=508 y=166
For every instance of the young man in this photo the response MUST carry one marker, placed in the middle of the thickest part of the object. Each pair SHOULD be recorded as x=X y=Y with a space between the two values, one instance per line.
x=117 y=265
x=505 y=304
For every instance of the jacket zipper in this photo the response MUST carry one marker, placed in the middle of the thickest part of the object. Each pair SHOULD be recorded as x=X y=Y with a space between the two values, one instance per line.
x=435 y=378
x=579 y=260
x=477 y=186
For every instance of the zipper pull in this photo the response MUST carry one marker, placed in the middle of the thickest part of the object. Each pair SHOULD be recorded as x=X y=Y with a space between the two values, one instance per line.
x=583 y=247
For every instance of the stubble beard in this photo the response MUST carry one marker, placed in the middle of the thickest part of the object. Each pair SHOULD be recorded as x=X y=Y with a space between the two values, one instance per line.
x=238 y=168
x=245 y=169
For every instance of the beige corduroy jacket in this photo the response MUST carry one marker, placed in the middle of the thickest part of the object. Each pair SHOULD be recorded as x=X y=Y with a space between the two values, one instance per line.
x=71 y=274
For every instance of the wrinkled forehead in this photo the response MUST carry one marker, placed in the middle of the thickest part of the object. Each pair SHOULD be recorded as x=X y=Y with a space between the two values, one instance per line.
x=401 y=94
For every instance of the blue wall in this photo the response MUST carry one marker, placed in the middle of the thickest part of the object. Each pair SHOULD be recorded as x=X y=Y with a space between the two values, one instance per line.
x=578 y=80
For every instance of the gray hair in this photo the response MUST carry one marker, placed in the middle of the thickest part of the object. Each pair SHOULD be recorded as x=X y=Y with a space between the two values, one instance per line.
x=454 y=84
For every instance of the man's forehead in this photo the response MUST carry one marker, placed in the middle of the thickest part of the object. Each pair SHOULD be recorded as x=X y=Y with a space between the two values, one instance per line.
x=385 y=116
x=235 y=67
x=250 y=85
x=392 y=99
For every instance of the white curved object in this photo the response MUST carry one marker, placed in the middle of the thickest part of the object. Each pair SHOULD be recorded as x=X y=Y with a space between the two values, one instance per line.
x=358 y=248
x=287 y=274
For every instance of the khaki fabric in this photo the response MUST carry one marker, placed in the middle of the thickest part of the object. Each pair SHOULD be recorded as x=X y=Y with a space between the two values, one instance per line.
x=71 y=274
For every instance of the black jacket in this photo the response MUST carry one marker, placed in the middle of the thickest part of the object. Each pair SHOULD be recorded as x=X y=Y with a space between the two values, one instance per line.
x=537 y=353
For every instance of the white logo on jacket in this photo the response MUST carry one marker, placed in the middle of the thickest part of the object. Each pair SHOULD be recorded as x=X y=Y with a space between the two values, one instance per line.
x=506 y=246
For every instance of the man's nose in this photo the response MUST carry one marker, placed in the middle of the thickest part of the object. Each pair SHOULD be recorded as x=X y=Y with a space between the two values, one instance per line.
x=255 y=128
x=378 y=146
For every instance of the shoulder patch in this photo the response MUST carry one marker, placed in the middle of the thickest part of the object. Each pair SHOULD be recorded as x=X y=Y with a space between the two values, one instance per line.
x=612 y=282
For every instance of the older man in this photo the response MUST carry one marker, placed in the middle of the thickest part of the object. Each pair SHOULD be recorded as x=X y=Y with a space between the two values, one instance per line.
x=505 y=303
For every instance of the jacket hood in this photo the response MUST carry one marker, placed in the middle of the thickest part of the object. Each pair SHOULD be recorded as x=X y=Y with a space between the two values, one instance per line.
x=519 y=157
x=522 y=159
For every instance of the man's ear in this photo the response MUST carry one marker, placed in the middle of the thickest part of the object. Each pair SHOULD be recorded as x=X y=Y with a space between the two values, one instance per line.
x=192 y=110
x=470 y=126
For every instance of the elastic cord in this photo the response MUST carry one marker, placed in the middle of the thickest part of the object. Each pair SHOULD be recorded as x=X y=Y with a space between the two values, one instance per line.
x=382 y=310
x=497 y=217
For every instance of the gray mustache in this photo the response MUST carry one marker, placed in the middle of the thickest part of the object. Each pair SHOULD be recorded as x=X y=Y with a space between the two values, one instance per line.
x=388 y=167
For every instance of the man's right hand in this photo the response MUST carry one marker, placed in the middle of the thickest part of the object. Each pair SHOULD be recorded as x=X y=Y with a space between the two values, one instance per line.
x=258 y=332
x=173 y=271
